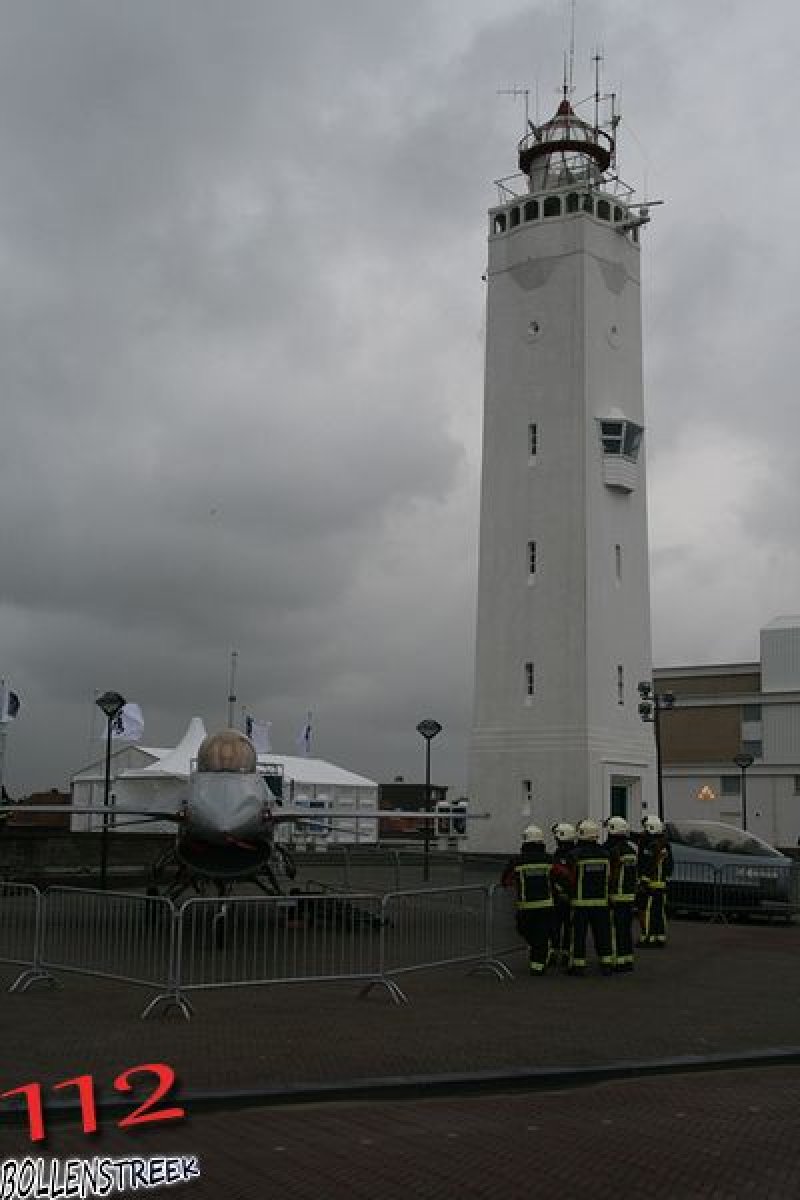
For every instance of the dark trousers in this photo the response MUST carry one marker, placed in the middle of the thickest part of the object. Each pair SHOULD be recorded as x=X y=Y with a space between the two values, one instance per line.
x=653 y=917
x=622 y=933
x=599 y=920
x=561 y=933
x=536 y=926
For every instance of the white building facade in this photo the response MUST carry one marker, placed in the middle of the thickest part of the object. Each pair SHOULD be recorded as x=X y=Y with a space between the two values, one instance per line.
x=563 y=618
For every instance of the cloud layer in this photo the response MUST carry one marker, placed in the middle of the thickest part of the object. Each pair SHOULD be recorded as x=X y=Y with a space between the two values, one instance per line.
x=241 y=323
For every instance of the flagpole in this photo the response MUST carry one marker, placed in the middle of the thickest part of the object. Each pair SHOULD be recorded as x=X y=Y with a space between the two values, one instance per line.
x=232 y=691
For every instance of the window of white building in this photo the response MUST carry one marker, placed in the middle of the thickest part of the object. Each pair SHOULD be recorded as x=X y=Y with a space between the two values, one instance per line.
x=623 y=438
x=530 y=680
x=533 y=440
x=620 y=684
x=531 y=558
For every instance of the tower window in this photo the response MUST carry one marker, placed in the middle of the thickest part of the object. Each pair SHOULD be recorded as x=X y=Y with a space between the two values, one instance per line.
x=499 y=223
x=618 y=562
x=531 y=558
x=552 y=206
x=532 y=210
x=514 y=217
x=604 y=210
x=533 y=440
x=588 y=203
x=621 y=437
x=527 y=797
x=620 y=684
x=573 y=202
x=530 y=679
x=618 y=213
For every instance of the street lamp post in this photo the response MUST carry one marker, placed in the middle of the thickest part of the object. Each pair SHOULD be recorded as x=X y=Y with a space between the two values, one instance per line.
x=428 y=729
x=112 y=705
x=743 y=761
x=651 y=705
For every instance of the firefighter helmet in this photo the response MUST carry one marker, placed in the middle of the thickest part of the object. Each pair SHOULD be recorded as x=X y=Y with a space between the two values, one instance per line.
x=588 y=830
x=533 y=834
x=563 y=831
x=652 y=824
x=617 y=826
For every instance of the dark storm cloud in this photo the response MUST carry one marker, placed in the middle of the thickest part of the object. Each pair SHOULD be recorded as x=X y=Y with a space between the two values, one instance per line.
x=241 y=344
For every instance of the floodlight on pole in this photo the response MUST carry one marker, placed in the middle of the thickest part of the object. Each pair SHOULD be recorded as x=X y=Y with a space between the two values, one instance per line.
x=743 y=761
x=112 y=704
x=428 y=729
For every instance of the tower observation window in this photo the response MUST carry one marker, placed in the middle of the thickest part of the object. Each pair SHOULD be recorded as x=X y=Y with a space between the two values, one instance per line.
x=621 y=438
x=573 y=202
x=499 y=223
x=552 y=206
x=588 y=203
x=604 y=210
x=532 y=210
x=514 y=217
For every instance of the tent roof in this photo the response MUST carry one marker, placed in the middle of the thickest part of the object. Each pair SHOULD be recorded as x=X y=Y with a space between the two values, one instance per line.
x=315 y=771
x=176 y=764
x=173 y=763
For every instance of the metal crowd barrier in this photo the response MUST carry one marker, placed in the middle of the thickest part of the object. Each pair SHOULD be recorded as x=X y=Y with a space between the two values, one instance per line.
x=764 y=890
x=111 y=935
x=503 y=936
x=243 y=941
x=20 y=932
x=434 y=928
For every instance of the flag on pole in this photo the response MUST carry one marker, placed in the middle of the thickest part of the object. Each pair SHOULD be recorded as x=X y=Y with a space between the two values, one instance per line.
x=128 y=723
x=304 y=739
x=9 y=703
x=258 y=732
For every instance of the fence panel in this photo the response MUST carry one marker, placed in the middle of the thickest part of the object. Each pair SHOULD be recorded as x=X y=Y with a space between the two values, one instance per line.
x=758 y=889
x=434 y=928
x=274 y=939
x=20 y=905
x=504 y=937
x=111 y=934
x=693 y=887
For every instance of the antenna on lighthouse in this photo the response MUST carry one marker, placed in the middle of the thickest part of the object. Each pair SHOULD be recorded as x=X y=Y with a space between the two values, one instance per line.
x=515 y=92
x=572 y=47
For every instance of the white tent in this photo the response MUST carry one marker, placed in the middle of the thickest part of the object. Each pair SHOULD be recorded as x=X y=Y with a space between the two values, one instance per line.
x=159 y=785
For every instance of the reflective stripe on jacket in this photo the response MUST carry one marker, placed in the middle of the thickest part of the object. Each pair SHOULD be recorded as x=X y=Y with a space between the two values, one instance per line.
x=624 y=873
x=534 y=889
x=591 y=881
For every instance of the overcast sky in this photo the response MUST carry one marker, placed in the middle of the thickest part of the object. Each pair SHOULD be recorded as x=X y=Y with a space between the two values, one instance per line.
x=241 y=349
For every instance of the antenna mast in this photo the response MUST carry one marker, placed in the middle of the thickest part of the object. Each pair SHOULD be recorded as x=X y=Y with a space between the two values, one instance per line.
x=572 y=48
x=515 y=92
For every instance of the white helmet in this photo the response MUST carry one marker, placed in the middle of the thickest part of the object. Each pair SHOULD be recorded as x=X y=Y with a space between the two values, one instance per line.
x=588 y=830
x=563 y=831
x=652 y=824
x=533 y=834
x=617 y=826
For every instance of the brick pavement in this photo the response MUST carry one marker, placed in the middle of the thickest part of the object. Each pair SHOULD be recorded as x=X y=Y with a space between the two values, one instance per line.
x=716 y=989
x=723 y=1136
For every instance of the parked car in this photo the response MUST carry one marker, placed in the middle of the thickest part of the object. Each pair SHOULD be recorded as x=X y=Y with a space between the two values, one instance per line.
x=720 y=868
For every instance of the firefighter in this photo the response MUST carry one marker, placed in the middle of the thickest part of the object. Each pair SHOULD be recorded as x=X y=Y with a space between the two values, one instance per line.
x=655 y=868
x=562 y=879
x=622 y=883
x=531 y=878
x=590 y=868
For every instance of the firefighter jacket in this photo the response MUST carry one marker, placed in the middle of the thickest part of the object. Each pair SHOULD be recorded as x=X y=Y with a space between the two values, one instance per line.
x=562 y=875
x=623 y=873
x=533 y=884
x=655 y=862
x=590 y=868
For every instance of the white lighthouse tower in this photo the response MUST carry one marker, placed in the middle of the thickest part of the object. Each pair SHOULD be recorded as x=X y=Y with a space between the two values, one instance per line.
x=563 y=625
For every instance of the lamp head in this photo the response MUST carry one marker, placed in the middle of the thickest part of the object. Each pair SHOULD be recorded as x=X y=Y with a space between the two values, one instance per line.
x=111 y=703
